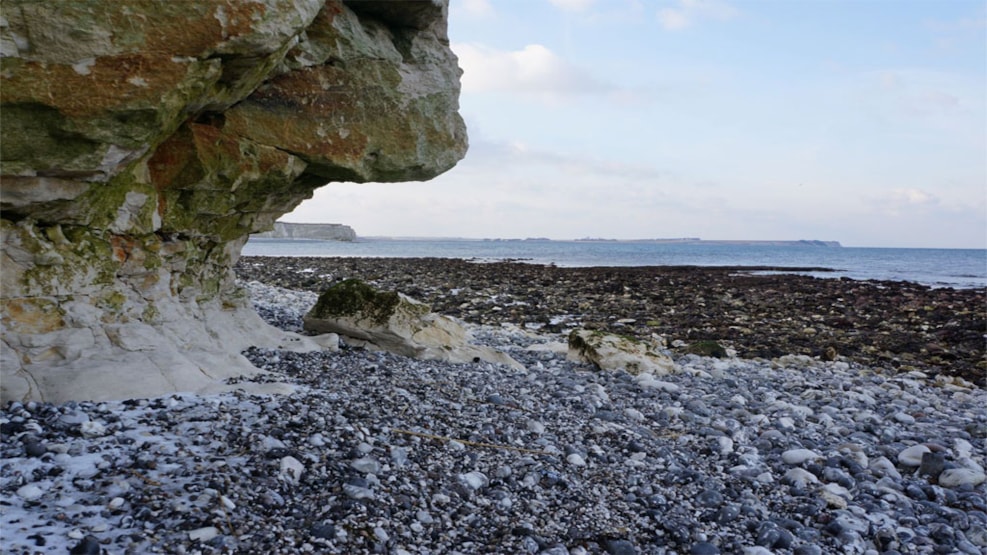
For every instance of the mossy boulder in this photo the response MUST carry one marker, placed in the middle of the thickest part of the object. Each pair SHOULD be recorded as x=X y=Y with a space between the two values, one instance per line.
x=606 y=351
x=394 y=322
x=707 y=348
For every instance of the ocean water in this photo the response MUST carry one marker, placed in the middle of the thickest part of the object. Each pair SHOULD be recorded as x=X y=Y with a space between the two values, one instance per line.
x=959 y=268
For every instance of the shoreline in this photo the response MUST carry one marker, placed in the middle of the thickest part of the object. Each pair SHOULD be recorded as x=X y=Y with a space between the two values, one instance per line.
x=378 y=453
x=898 y=326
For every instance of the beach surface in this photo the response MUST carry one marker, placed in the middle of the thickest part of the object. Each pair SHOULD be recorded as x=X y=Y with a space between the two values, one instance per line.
x=773 y=450
x=896 y=325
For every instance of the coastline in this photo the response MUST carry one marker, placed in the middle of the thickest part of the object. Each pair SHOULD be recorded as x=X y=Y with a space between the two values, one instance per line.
x=898 y=326
x=378 y=453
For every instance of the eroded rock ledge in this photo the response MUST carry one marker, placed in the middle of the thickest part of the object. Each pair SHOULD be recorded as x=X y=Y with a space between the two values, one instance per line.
x=143 y=141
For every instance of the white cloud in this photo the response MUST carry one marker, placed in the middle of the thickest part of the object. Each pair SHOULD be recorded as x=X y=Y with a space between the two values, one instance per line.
x=912 y=197
x=572 y=5
x=532 y=70
x=687 y=12
x=477 y=9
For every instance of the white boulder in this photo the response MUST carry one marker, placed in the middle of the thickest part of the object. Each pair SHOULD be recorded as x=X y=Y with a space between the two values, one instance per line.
x=394 y=322
x=615 y=352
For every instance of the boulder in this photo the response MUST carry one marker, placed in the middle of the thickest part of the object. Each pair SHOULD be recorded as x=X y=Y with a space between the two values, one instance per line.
x=394 y=322
x=607 y=351
x=141 y=142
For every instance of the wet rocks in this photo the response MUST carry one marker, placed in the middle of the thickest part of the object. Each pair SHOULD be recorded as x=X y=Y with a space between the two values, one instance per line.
x=889 y=326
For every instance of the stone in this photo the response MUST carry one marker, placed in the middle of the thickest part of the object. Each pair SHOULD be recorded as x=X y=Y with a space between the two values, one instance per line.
x=614 y=352
x=139 y=155
x=29 y=492
x=707 y=348
x=291 y=470
x=956 y=477
x=396 y=323
x=912 y=456
x=799 y=456
x=203 y=534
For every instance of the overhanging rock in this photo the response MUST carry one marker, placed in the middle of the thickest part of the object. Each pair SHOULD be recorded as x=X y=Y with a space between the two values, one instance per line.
x=141 y=142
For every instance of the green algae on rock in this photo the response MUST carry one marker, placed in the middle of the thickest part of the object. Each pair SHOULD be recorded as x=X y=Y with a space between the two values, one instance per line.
x=141 y=142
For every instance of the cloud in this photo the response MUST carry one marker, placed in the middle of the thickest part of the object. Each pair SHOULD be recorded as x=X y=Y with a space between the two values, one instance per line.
x=903 y=200
x=532 y=70
x=912 y=197
x=687 y=12
x=572 y=5
x=477 y=9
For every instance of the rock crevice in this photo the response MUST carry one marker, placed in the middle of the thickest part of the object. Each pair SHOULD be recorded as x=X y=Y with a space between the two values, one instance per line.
x=137 y=157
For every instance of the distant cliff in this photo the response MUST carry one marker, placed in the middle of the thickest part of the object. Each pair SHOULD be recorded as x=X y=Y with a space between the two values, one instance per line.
x=320 y=232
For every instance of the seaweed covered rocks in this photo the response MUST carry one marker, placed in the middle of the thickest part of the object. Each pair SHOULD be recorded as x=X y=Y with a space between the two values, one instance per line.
x=898 y=326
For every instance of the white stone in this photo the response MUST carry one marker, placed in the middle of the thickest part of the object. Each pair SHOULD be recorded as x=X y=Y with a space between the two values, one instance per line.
x=799 y=456
x=904 y=418
x=912 y=456
x=634 y=414
x=291 y=469
x=575 y=459
x=203 y=534
x=955 y=477
x=613 y=352
x=800 y=477
x=368 y=465
x=535 y=426
x=92 y=429
x=884 y=467
x=474 y=480
x=30 y=492
x=725 y=445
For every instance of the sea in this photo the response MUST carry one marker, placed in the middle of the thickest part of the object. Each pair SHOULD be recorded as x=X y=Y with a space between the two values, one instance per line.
x=957 y=268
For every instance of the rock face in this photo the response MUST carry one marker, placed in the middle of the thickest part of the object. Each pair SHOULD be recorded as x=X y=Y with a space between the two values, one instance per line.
x=143 y=141
x=320 y=232
x=396 y=323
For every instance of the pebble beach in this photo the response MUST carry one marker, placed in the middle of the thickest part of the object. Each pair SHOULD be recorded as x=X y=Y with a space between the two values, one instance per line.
x=774 y=449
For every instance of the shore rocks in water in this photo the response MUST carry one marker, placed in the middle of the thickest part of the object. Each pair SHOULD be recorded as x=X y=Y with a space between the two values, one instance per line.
x=890 y=325
x=396 y=323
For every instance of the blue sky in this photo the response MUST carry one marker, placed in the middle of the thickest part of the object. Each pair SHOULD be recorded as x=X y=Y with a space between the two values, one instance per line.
x=863 y=122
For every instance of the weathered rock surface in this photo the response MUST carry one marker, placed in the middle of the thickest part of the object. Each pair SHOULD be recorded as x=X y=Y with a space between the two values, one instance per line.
x=143 y=141
x=396 y=323
x=319 y=232
x=608 y=351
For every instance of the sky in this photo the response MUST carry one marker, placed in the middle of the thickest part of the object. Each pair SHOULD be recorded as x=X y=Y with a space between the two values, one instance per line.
x=863 y=122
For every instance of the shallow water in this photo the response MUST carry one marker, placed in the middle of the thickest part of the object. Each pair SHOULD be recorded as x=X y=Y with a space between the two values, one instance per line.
x=959 y=268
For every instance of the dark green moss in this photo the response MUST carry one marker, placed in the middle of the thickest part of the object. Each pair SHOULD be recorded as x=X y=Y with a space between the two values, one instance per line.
x=353 y=296
x=707 y=348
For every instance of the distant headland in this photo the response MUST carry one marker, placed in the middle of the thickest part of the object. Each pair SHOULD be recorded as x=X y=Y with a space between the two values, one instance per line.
x=697 y=240
x=318 y=232
x=677 y=241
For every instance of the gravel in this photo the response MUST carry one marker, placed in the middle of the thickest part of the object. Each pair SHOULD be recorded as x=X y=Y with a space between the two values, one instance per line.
x=377 y=453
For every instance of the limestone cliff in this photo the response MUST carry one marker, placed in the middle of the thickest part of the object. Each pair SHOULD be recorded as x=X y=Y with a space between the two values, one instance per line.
x=142 y=141
x=319 y=232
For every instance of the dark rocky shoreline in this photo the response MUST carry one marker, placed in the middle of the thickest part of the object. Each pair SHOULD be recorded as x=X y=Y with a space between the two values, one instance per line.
x=899 y=326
